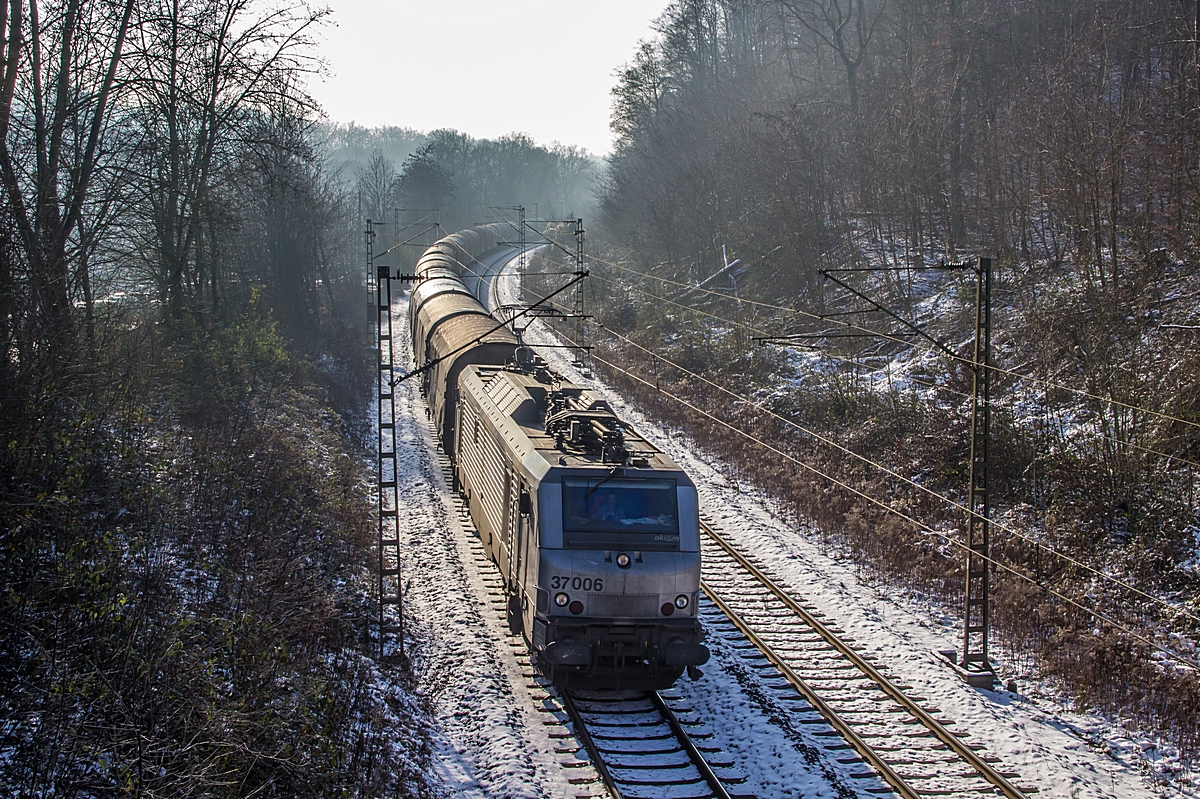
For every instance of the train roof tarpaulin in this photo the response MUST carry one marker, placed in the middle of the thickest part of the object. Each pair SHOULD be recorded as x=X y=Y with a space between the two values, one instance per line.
x=436 y=311
x=481 y=343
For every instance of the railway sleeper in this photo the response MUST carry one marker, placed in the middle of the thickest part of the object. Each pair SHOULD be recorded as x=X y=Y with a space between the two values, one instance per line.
x=638 y=766
x=596 y=720
x=615 y=708
x=912 y=761
x=661 y=783
x=609 y=734
x=629 y=746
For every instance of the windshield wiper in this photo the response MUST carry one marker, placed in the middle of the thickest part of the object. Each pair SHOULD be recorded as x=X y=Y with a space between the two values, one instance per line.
x=596 y=487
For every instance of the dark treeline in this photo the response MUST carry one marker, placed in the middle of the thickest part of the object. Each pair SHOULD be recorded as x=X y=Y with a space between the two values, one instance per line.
x=1059 y=138
x=351 y=146
x=184 y=515
x=1040 y=131
x=458 y=181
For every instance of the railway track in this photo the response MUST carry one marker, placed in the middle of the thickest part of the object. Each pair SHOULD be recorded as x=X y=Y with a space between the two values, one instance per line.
x=905 y=744
x=641 y=747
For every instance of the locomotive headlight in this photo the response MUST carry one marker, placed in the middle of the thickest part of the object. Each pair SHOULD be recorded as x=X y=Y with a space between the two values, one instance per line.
x=561 y=599
x=623 y=560
x=681 y=601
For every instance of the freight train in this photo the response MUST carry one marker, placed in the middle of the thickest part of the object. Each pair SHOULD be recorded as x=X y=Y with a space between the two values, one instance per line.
x=594 y=530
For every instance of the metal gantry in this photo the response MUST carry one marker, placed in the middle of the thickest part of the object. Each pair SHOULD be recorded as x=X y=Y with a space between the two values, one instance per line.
x=977 y=593
x=979 y=567
x=371 y=282
x=522 y=242
x=578 y=310
x=390 y=574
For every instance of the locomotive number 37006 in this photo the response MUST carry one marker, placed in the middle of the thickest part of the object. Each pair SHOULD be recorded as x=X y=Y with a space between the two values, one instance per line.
x=577 y=583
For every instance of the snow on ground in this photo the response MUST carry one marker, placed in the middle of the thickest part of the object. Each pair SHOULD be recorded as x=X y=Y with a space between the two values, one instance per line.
x=489 y=741
x=1063 y=754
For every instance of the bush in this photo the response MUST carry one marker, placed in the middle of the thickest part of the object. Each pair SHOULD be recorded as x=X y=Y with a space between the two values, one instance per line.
x=187 y=601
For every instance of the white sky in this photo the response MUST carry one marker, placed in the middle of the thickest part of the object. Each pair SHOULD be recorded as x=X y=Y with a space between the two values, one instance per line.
x=461 y=63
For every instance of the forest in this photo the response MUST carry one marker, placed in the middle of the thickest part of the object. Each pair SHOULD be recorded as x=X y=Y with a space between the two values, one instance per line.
x=185 y=496
x=791 y=216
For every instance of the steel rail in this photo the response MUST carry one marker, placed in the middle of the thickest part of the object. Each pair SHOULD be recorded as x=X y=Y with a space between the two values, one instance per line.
x=698 y=760
x=939 y=730
x=868 y=754
x=589 y=744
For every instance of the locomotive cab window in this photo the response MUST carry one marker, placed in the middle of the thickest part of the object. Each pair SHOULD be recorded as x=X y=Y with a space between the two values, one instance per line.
x=599 y=513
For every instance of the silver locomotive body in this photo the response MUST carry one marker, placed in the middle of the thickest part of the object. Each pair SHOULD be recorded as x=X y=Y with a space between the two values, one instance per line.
x=599 y=548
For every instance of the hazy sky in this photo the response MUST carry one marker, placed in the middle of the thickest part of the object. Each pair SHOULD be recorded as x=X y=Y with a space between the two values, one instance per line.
x=484 y=67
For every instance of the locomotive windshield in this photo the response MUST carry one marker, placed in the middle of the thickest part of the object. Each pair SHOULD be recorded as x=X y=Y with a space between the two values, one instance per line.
x=600 y=513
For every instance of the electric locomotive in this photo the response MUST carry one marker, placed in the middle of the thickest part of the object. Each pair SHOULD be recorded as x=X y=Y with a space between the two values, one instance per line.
x=595 y=530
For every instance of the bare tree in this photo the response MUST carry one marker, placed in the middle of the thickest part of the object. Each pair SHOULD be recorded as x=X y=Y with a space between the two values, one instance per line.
x=60 y=69
x=375 y=185
x=846 y=27
x=639 y=93
x=206 y=69
x=574 y=174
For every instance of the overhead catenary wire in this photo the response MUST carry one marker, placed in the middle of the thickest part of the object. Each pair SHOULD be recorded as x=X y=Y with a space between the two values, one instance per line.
x=886 y=336
x=919 y=525
x=891 y=473
x=963 y=359
x=827 y=318
x=683 y=306
x=1149 y=450
x=824 y=439
x=925 y=489
x=758 y=331
x=755 y=330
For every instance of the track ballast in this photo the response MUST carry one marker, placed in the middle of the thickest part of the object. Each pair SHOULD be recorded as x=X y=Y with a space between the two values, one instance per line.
x=905 y=744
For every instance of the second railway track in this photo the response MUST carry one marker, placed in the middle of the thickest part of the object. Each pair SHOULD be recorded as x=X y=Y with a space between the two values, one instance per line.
x=906 y=744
